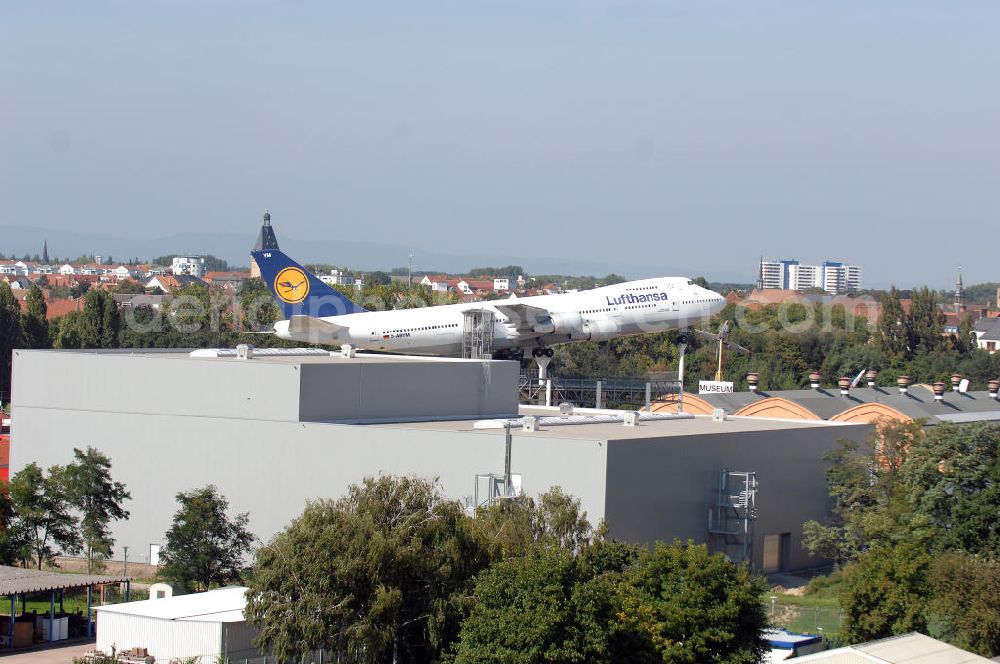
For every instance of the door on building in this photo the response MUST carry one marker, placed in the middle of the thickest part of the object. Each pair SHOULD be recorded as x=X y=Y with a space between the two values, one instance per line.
x=777 y=550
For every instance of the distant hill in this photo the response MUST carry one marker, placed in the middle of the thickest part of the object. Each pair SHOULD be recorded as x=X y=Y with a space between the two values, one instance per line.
x=982 y=293
x=357 y=255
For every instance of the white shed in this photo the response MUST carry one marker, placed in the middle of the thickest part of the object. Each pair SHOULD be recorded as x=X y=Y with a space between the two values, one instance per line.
x=203 y=625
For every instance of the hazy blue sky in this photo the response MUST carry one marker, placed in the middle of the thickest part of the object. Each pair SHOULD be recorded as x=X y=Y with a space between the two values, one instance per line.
x=680 y=134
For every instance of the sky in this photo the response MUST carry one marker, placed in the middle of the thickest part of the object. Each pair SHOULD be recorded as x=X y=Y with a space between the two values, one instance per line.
x=695 y=135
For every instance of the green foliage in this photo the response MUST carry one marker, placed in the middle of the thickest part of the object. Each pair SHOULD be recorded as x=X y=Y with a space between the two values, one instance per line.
x=100 y=324
x=203 y=545
x=614 y=603
x=99 y=498
x=550 y=606
x=11 y=334
x=982 y=293
x=953 y=485
x=505 y=271
x=43 y=521
x=129 y=287
x=386 y=571
x=34 y=326
x=906 y=498
x=884 y=593
x=510 y=527
x=11 y=540
x=696 y=607
x=257 y=304
x=865 y=484
x=965 y=597
x=67 y=331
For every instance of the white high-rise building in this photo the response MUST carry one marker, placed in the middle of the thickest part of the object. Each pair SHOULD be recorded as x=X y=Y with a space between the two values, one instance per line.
x=830 y=276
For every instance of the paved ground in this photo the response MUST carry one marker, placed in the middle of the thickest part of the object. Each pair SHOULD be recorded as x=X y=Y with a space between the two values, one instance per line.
x=61 y=654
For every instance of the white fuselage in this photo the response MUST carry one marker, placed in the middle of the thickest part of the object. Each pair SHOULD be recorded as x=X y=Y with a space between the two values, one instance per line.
x=634 y=307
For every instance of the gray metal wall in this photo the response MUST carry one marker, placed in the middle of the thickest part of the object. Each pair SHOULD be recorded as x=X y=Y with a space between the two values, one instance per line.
x=271 y=468
x=663 y=488
x=287 y=390
x=269 y=464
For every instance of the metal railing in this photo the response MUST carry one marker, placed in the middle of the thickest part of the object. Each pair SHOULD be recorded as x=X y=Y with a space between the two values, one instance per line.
x=598 y=393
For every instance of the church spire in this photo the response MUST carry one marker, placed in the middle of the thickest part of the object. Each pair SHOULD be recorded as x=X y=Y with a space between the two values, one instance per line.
x=959 y=292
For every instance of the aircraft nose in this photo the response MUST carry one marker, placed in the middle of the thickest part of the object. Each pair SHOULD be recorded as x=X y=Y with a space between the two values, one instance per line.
x=718 y=302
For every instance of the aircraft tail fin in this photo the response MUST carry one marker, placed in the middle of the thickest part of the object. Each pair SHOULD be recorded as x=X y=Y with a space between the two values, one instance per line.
x=298 y=291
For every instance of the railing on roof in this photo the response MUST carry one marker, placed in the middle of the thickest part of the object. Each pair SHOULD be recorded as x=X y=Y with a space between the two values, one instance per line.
x=596 y=392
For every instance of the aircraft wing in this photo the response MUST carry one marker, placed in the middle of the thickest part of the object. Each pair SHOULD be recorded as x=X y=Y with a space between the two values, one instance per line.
x=526 y=319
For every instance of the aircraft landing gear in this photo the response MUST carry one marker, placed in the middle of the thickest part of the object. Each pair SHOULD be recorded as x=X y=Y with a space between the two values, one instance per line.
x=542 y=358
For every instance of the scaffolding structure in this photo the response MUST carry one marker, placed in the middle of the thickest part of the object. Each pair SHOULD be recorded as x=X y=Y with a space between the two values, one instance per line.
x=491 y=488
x=477 y=337
x=602 y=393
x=731 y=519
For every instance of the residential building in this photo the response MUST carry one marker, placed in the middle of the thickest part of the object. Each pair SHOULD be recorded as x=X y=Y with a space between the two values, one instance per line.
x=190 y=265
x=504 y=283
x=228 y=280
x=171 y=282
x=337 y=278
x=987 y=331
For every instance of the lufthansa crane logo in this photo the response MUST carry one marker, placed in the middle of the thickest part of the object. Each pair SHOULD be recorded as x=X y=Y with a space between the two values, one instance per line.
x=291 y=285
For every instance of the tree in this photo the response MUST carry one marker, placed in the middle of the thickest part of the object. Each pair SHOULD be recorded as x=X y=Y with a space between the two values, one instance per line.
x=965 y=597
x=884 y=593
x=696 y=607
x=67 y=330
x=100 y=323
x=10 y=332
x=203 y=546
x=553 y=607
x=99 y=498
x=34 y=325
x=926 y=321
x=385 y=571
x=953 y=482
x=510 y=527
x=44 y=521
x=11 y=537
x=559 y=518
x=865 y=483
x=257 y=305
x=615 y=603
x=892 y=335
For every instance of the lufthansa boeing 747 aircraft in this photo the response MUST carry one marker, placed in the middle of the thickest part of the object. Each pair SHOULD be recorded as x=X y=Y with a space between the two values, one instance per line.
x=317 y=313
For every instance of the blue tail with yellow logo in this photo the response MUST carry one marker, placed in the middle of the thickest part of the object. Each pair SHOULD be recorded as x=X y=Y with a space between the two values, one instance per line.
x=298 y=291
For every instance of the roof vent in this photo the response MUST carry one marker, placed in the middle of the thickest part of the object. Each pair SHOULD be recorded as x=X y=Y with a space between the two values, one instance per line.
x=904 y=383
x=530 y=423
x=630 y=418
x=844 y=383
x=814 y=379
x=871 y=375
x=244 y=352
x=938 y=388
x=565 y=409
x=752 y=381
